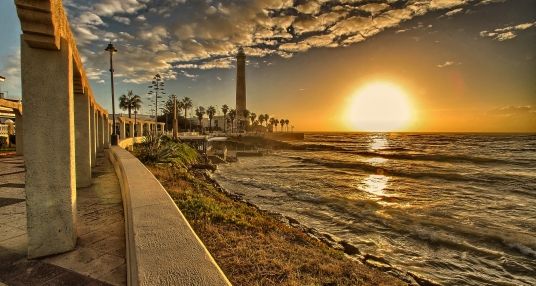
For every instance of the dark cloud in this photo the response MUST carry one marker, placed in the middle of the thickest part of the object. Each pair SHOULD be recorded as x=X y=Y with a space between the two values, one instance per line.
x=207 y=34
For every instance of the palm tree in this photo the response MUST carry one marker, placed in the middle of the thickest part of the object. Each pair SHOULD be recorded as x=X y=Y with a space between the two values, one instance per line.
x=282 y=122
x=199 y=112
x=287 y=122
x=276 y=122
x=129 y=102
x=224 y=109
x=232 y=115
x=261 y=119
x=266 y=118
x=246 y=114
x=186 y=104
x=252 y=117
x=211 y=110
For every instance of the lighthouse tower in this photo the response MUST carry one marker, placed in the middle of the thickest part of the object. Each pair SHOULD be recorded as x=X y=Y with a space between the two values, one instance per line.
x=240 y=83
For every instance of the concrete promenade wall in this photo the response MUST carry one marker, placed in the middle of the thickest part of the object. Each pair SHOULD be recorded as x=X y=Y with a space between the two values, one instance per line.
x=162 y=248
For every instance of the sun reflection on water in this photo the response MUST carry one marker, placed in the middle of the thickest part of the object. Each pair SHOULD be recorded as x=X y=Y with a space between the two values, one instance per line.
x=378 y=143
x=375 y=184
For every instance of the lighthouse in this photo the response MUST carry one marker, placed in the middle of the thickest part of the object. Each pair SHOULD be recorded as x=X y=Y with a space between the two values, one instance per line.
x=240 y=83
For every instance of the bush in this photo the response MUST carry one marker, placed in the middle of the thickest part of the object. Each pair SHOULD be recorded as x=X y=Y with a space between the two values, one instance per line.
x=157 y=148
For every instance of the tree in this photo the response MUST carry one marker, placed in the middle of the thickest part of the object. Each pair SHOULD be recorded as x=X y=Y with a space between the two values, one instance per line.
x=130 y=102
x=282 y=122
x=186 y=104
x=287 y=122
x=232 y=115
x=252 y=117
x=261 y=119
x=246 y=114
x=224 y=109
x=199 y=112
x=266 y=118
x=276 y=121
x=211 y=110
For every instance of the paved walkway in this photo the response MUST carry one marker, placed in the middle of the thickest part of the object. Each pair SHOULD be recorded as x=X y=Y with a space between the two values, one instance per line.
x=99 y=257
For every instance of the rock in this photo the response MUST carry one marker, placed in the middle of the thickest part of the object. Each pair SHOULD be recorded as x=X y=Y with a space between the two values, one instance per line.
x=402 y=275
x=378 y=265
x=422 y=281
x=376 y=258
x=292 y=221
x=349 y=248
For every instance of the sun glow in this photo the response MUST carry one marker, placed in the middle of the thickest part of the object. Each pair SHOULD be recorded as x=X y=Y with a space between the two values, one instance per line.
x=379 y=107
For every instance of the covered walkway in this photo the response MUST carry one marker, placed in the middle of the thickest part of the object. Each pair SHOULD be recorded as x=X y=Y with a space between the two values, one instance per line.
x=99 y=256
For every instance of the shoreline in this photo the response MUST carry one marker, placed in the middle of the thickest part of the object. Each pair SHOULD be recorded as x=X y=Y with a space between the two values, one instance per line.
x=380 y=263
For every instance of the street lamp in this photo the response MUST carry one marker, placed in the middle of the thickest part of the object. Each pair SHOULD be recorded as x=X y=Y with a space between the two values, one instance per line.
x=111 y=50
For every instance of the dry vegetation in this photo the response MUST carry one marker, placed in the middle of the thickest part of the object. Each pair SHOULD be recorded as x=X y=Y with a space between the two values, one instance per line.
x=253 y=248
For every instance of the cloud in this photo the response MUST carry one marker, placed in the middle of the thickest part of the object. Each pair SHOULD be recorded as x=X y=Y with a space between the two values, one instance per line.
x=111 y=7
x=511 y=110
x=445 y=4
x=505 y=36
x=11 y=71
x=511 y=118
x=311 y=7
x=445 y=64
x=123 y=20
x=185 y=66
x=374 y=8
x=186 y=74
x=207 y=34
x=506 y=33
x=453 y=12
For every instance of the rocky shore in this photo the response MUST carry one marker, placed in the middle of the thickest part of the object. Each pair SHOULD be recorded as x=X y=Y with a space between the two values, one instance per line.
x=329 y=240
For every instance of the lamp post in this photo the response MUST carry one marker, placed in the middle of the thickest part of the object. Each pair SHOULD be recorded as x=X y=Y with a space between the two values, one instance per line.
x=111 y=50
x=157 y=85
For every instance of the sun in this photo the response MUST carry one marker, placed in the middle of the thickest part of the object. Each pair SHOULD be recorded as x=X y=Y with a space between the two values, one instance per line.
x=380 y=107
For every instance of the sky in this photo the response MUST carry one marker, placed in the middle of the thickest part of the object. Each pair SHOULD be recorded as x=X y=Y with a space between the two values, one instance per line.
x=461 y=65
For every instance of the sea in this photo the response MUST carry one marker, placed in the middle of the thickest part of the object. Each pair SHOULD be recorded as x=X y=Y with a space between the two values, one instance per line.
x=459 y=209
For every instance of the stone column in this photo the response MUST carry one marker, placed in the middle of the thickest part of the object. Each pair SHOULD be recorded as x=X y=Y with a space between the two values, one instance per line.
x=100 y=133
x=93 y=136
x=82 y=144
x=47 y=85
x=122 y=129
x=19 y=129
x=107 y=131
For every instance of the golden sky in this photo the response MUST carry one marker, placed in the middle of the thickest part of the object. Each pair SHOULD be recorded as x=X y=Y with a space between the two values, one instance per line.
x=461 y=65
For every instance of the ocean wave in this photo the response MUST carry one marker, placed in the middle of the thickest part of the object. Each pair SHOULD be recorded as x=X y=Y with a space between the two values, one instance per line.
x=385 y=171
x=425 y=157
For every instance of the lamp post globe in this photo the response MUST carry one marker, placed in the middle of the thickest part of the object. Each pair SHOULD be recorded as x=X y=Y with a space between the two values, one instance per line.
x=111 y=50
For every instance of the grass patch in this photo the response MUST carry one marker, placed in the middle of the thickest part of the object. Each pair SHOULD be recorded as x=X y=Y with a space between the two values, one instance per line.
x=253 y=248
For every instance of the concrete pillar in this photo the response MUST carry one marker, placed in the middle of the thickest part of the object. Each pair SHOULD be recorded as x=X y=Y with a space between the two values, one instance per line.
x=82 y=143
x=19 y=129
x=131 y=128
x=100 y=133
x=47 y=84
x=92 y=136
x=122 y=130
x=106 y=130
